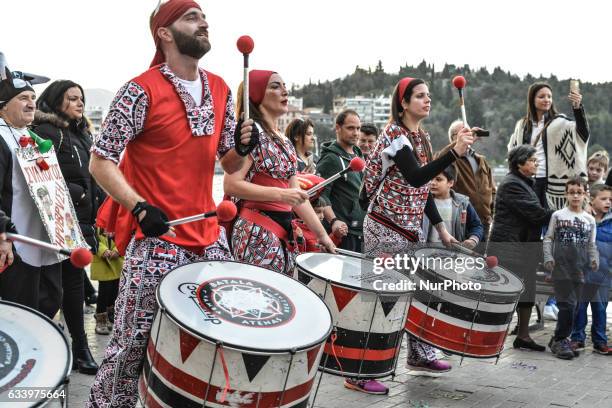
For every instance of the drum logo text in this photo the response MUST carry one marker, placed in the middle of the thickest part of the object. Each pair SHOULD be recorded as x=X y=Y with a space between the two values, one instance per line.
x=245 y=302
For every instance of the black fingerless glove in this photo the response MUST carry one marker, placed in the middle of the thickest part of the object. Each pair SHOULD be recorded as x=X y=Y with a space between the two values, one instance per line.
x=154 y=223
x=242 y=149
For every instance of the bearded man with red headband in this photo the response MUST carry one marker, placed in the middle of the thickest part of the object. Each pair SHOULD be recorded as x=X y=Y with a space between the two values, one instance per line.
x=169 y=123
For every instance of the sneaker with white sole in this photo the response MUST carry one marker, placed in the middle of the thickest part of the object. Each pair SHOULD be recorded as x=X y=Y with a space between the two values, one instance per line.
x=434 y=366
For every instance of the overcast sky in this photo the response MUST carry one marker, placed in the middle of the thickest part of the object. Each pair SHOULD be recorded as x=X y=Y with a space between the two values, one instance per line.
x=102 y=44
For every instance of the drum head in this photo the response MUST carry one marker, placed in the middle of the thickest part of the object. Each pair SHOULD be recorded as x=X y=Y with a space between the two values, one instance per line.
x=351 y=272
x=244 y=306
x=33 y=351
x=467 y=268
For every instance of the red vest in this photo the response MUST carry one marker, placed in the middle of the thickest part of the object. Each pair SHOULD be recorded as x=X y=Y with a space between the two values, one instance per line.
x=169 y=167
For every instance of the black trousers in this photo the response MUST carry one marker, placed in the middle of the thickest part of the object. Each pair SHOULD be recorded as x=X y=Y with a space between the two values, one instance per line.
x=352 y=242
x=567 y=293
x=107 y=294
x=72 y=303
x=38 y=287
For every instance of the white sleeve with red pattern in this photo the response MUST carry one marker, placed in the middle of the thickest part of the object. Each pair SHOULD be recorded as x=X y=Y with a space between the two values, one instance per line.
x=226 y=140
x=125 y=120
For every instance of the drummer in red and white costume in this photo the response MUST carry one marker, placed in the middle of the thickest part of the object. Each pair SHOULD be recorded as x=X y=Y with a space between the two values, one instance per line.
x=397 y=178
x=267 y=185
x=169 y=123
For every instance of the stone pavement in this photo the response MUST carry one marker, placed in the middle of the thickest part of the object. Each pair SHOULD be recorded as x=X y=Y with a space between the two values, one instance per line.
x=521 y=379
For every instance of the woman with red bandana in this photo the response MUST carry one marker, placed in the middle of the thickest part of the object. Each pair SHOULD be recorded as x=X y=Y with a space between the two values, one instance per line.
x=267 y=184
x=397 y=179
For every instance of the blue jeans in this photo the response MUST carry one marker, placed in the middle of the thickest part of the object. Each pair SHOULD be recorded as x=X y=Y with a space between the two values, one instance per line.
x=597 y=296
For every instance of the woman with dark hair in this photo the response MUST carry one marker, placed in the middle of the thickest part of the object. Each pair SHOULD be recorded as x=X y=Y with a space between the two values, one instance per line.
x=60 y=118
x=561 y=143
x=517 y=227
x=301 y=133
x=396 y=185
x=267 y=186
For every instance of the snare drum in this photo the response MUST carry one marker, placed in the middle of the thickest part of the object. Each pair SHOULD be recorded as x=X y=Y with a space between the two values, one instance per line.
x=463 y=321
x=231 y=334
x=368 y=312
x=34 y=353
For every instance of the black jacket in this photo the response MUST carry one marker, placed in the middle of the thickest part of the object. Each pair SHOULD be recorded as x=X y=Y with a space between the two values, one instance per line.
x=517 y=225
x=72 y=143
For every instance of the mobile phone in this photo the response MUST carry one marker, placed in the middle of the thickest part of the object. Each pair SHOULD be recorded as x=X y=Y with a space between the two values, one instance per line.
x=481 y=133
x=574 y=85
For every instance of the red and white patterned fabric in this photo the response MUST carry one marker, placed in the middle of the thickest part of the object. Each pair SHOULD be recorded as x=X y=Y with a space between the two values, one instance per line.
x=398 y=201
x=274 y=163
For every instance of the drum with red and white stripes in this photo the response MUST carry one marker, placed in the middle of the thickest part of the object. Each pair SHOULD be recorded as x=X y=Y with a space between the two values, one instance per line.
x=368 y=307
x=460 y=305
x=231 y=334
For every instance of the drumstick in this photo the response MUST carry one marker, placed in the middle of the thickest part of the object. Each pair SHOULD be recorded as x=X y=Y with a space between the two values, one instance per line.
x=245 y=45
x=356 y=164
x=459 y=83
x=491 y=260
x=226 y=211
x=79 y=257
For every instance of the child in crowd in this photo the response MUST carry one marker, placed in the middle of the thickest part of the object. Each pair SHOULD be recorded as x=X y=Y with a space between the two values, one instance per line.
x=597 y=167
x=106 y=268
x=460 y=217
x=597 y=283
x=569 y=252
x=306 y=239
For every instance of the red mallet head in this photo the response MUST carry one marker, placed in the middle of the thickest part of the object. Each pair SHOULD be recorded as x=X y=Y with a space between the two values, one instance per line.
x=245 y=44
x=357 y=164
x=80 y=257
x=459 y=82
x=491 y=261
x=226 y=211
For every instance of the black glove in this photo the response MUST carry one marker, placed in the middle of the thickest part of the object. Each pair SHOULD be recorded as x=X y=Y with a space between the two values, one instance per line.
x=5 y=224
x=242 y=149
x=154 y=223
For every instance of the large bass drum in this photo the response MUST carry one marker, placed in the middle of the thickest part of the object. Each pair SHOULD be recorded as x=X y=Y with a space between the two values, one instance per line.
x=231 y=334
x=35 y=358
x=368 y=308
x=447 y=313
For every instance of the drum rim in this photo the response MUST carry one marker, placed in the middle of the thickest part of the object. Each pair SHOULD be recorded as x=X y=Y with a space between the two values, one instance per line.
x=502 y=294
x=68 y=368
x=163 y=309
x=346 y=285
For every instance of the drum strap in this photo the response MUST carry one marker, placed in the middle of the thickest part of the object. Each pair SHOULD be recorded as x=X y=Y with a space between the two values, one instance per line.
x=409 y=235
x=225 y=373
x=266 y=222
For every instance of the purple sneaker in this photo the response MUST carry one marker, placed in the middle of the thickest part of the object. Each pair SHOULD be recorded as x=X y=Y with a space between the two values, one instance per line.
x=367 y=386
x=434 y=366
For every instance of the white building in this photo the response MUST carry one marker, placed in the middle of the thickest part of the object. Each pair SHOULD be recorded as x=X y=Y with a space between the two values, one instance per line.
x=372 y=110
x=96 y=115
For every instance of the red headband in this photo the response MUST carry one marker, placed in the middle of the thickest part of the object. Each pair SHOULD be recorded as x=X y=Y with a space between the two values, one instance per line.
x=402 y=85
x=258 y=82
x=167 y=14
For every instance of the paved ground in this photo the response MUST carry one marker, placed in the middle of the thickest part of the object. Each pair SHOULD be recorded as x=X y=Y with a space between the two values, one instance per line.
x=520 y=379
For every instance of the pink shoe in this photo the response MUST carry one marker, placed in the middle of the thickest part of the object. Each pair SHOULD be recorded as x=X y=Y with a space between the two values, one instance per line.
x=367 y=386
x=434 y=366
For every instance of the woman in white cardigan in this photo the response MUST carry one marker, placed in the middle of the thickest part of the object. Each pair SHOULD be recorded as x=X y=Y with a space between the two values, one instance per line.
x=561 y=143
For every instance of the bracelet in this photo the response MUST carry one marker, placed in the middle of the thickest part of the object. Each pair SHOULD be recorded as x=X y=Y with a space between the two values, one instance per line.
x=138 y=208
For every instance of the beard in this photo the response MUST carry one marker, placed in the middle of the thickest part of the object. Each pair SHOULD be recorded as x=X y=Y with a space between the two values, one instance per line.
x=190 y=45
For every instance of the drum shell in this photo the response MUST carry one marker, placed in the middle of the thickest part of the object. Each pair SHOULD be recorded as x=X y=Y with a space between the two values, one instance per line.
x=367 y=337
x=184 y=381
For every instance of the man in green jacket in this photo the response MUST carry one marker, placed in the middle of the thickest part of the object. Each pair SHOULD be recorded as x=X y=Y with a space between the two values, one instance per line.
x=345 y=213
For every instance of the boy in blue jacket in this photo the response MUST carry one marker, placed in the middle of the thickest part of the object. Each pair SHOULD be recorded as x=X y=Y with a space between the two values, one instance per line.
x=597 y=283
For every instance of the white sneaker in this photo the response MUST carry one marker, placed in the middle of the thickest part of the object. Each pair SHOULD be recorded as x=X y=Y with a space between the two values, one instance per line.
x=549 y=313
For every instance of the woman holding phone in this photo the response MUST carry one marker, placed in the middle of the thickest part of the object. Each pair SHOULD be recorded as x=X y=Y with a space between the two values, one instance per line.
x=561 y=143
